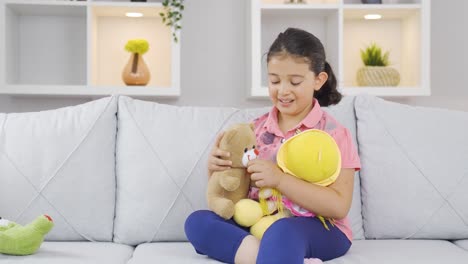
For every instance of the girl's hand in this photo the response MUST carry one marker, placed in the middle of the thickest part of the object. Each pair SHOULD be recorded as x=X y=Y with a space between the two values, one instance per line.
x=217 y=161
x=265 y=173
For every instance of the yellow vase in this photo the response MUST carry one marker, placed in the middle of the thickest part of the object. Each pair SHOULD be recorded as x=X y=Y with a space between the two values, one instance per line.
x=136 y=71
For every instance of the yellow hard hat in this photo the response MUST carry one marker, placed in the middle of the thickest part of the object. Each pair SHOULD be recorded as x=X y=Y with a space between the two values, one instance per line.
x=311 y=155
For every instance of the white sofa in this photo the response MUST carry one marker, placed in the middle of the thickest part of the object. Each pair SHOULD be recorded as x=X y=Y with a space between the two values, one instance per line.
x=119 y=176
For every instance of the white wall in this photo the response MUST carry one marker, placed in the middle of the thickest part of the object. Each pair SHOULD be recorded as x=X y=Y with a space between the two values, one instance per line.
x=449 y=57
x=213 y=59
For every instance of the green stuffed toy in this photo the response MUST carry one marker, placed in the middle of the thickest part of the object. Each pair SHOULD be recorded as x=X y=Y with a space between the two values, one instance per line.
x=23 y=240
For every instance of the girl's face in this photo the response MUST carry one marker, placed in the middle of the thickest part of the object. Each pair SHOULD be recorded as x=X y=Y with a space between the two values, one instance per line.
x=292 y=85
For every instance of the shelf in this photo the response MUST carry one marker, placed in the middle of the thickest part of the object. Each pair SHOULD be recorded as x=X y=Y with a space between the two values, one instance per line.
x=33 y=6
x=262 y=92
x=404 y=30
x=399 y=32
x=281 y=8
x=397 y=7
x=111 y=31
x=82 y=90
x=388 y=12
x=386 y=91
x=307 y=3
x=384 y=2
x=76 y=48
x=321 y=22
x=142 y=5
x=45 y=44
x=114 y=2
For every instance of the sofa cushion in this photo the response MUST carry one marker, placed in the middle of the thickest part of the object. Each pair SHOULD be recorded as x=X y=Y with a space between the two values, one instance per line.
x=344 y=113
x=61 y=163
x=402 y=252
x=462 y=243
x=75 y=253
x=161 y=165
x=414 y=170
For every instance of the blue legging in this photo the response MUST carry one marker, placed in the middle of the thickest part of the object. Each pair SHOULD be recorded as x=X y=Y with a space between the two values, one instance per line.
x=288 y=240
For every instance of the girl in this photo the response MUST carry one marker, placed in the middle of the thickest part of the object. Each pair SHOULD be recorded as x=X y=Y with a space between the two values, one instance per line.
x=300 y=82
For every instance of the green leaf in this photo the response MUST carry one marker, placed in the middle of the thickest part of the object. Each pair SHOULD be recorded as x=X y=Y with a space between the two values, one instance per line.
x=372 y=56
x=172 y=15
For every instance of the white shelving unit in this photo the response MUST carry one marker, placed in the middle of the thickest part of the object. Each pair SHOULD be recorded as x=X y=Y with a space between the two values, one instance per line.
x=404 y=30
x=76 y=48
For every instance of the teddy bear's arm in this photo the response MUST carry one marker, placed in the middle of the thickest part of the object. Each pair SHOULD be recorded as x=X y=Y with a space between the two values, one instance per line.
x=230 y=179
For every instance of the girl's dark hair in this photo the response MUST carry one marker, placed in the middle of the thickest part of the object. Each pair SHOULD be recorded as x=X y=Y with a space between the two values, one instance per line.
x=303 y=44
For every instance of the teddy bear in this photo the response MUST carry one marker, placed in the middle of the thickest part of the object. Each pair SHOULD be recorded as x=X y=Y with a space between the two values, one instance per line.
x=226 y=188
x=318 y=163
x=23 y=240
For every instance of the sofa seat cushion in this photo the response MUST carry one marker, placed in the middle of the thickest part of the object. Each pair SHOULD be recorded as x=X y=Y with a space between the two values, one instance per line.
x=462 y=243
x=75 y=253
x=61 y=163
x=361 y=252
x=414 y=172
x=402 y=252
x=168 y=252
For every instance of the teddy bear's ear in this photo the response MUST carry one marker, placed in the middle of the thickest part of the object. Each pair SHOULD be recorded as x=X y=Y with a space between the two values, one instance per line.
x=252 y=126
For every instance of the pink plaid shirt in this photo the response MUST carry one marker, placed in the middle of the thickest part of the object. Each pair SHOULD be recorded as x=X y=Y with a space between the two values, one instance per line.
x=270 y=138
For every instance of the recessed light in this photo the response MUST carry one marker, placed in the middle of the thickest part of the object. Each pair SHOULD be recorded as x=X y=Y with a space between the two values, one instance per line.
x=373 y=16
x=133 y=14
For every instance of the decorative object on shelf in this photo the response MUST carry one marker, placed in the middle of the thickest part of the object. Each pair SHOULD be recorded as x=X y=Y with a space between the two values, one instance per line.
x=136 y=71
x=371 y=1
x=173 y=15
x=376 y=71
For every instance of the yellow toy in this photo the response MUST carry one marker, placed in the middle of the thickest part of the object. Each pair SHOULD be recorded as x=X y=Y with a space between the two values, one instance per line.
x=249 y=213
x=312 y=156
x=319 y=164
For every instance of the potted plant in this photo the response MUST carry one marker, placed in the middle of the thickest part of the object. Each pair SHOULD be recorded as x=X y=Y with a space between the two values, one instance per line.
x=376 y=71
x=136 y=71
x=173 y=15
